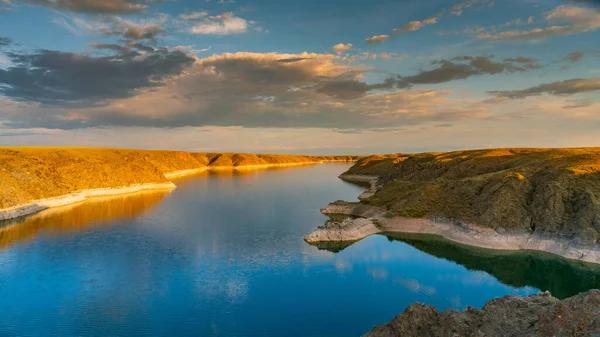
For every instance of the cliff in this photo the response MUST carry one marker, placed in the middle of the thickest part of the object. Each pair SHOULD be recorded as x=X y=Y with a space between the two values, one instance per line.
x=35 y=178
x=536 y=315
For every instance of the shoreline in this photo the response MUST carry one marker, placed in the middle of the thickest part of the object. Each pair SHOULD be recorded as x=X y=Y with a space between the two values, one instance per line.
x=364 y=220
x=35 y=206
x=182 y=173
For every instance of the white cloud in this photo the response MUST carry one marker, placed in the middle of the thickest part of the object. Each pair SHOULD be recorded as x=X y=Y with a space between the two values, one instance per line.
x=340 y=47
x=392 y=56
x=564 y=20
x=224 y=24
x=193 y=15
x=190 y=49
x=415 y=25
x=377 y=39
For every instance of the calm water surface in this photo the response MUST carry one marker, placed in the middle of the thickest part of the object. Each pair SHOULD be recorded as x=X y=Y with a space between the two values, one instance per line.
x=223 y=255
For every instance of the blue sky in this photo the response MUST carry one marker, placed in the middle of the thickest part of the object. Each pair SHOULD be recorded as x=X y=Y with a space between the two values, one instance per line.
x=300 y=76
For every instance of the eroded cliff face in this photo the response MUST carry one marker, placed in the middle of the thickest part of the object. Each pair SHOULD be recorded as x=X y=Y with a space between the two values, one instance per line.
x=543 y=190
x=536 y=315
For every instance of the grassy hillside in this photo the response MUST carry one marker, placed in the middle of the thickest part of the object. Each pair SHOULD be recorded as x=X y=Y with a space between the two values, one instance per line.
x=32 y=173
x=554 y=190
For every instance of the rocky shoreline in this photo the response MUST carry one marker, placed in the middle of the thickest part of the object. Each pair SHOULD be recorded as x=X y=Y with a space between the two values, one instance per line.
x=536 y=315
x=353 y=221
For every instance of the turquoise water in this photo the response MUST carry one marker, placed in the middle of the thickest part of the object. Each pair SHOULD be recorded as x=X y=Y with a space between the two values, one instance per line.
x=223 y=255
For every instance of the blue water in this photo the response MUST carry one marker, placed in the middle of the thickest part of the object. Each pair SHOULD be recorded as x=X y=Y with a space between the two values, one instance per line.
x=221 y=255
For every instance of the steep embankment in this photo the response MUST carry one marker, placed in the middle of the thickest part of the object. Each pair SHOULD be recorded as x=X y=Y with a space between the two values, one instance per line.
x=536 y=315
x=35 y=178
x=539 y=199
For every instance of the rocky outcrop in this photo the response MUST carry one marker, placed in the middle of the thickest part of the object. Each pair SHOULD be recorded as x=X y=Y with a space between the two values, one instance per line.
x=344 y=230
x=548 y=190
x=352 y=221
x=536 y=315
x=509 y=199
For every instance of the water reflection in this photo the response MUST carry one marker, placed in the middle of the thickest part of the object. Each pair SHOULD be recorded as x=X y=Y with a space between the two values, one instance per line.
x=563 y=278
x=64 y=220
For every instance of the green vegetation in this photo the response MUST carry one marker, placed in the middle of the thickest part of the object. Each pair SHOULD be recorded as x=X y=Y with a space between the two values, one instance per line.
x=554 y=190
x=33 y=173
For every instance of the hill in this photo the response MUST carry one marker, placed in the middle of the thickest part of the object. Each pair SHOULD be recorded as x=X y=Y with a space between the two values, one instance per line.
x=550 y=190
x=35 y=178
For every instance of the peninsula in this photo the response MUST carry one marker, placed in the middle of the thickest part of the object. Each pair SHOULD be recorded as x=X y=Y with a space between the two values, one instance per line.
x=509 y=199
x=36 y=178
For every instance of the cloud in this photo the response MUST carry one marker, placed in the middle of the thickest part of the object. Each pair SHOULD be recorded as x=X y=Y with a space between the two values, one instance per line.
x=240 y=89
x=132 y=30
x=577 y=56
x=560 y=88
x=91 y=6
x=63 y=78
x=458 y=8
x=111 y=46
x=392 y=56
x=224 y=24
x=574 y=57
x=340 y=47
x=112 y=26
x=137 y=45
x=193 y=15
x=520 y=22
x=293 y=59
x=377 y=39
x=415 y=25
x=575 y=20
x=580 y=103
x=79 y=26
x=190 y=49
x=4 y=41
x=464 y=67
x=521 y=59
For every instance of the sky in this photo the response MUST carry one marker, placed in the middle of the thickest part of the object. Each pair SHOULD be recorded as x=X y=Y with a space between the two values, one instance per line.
x=314 y=77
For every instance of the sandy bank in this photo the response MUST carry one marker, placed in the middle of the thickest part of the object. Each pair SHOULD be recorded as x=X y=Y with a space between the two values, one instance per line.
x=183 y=173
x=355 y=221
x=42 y=204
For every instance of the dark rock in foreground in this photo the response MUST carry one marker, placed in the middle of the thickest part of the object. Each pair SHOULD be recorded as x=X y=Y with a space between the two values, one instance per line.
x=536 y=315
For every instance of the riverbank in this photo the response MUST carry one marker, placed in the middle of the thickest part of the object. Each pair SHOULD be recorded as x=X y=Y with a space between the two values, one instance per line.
x=35 y=206
x=36 y=178
x=543 y=200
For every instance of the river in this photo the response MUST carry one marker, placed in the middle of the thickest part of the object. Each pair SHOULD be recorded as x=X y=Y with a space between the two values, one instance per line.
x=223 y=255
